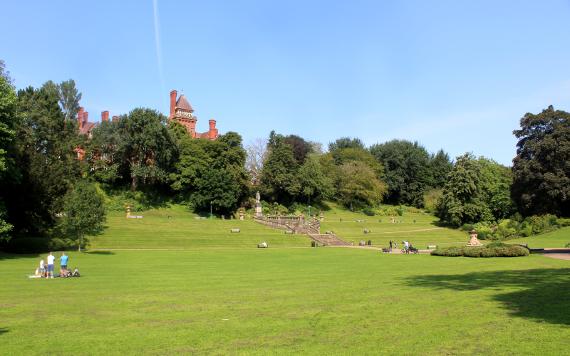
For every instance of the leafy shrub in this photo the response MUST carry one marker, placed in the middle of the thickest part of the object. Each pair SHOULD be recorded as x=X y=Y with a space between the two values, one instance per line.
x=563 y=222
x=400 y=210
x=387 y=211
x=496 y=249
x=448 y=252
x=368 y=211
x=431 y=198
x=567 y=245
x=496 y=244
x=541 y=223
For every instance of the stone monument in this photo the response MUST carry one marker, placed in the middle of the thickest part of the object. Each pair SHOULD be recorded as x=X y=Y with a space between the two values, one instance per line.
x=473 y=240
x=258 y=210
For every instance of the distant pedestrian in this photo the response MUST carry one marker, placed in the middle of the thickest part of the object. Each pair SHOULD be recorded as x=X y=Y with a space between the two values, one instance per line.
x=407 y=247
x=42 y=268
x=63 y=262
x=391 y=243
x=50 y=261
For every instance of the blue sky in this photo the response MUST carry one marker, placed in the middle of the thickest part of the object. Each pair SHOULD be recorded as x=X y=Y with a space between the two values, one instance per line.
x=456 y=75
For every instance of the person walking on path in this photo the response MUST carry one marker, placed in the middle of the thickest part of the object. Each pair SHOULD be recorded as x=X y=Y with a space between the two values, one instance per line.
x=63 y=262
x=391 y=245
x=50 y=261
x=407 y=247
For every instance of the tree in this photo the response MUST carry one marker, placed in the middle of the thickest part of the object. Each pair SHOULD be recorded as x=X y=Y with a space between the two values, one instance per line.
x=256 y=155
x=84 y=212
x=7 y=133
x=358 y=185
x=192 y=160
x=439 y=165
x=301 y=148
x=224 y=182
x=406 y=170
x=461 y=202
x=69 y=98
x=47 y=164
x=541 y=168
x=146 y=145
x=357 y=154
x=102 y=153
x=279 y=177
x=346 y=142
x=477 y=190
x=315 y=185
x=210 y=174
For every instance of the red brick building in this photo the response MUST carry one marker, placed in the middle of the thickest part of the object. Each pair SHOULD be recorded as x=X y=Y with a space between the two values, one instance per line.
x=181 y=112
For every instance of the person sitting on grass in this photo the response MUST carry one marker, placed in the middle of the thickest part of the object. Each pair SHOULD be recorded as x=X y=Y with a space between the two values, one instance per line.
x=42 y=269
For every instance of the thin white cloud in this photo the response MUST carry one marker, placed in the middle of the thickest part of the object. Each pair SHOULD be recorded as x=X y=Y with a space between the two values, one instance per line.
x=157 y=44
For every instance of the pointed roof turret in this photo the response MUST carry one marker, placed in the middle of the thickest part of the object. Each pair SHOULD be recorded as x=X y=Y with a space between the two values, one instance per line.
x=183 y=104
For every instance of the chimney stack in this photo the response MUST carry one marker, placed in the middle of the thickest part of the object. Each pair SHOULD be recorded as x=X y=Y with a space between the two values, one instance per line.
x=213 y=132
x=104 y=116
x=85 y=117
x=80 y=117
x=173 y=95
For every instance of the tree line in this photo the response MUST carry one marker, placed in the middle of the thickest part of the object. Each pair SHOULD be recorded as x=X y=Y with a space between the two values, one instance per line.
x=44 y=186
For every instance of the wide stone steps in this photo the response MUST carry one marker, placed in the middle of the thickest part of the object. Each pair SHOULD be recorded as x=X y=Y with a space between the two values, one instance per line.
x=328 y=240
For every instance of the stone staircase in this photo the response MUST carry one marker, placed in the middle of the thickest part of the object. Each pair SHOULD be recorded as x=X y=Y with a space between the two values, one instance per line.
x=328 y=239
x=298 y=225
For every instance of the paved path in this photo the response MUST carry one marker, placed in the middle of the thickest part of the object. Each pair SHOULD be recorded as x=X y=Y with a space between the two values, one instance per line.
x=406 y=231
x=558 y=256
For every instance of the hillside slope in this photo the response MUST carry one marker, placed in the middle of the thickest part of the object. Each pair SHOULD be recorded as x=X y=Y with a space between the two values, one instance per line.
x=176 y=228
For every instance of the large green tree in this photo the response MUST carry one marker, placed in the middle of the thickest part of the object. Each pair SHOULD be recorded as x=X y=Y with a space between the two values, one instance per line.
x=476 y=190
x=103 y=154
x=280 y=174
x=346 y=142
x=541 y=167
x=359 y=186
x=47 y=164
x=406 y=170
x=7 y=134
x=146 y=146
x=315 y=185
x=210 y=174
x=439 y=165
x=84 y=212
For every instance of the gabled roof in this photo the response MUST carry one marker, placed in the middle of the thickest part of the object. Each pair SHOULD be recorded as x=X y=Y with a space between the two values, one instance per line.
x=183 y=104
x=88 y=126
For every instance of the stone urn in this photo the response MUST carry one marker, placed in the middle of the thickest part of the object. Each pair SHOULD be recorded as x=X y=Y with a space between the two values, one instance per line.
x=473 y=240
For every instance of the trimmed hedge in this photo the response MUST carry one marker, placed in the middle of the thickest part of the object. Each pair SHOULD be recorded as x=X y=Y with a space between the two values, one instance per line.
x=496 y=249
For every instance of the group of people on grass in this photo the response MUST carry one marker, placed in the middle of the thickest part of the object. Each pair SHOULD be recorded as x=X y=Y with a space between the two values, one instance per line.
x=407 y=246
x=47 y=267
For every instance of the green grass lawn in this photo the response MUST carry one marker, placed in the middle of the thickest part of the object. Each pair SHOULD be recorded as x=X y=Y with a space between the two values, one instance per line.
x=557 y=238
x=176 y=228
x=420 y=229
x=285 y=301
x=189 y=286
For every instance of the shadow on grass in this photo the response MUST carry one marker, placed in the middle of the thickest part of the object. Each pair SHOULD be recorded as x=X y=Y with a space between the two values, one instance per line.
x=3 y=331
x=12 y=256
x=541 y=294
x=102 y=253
